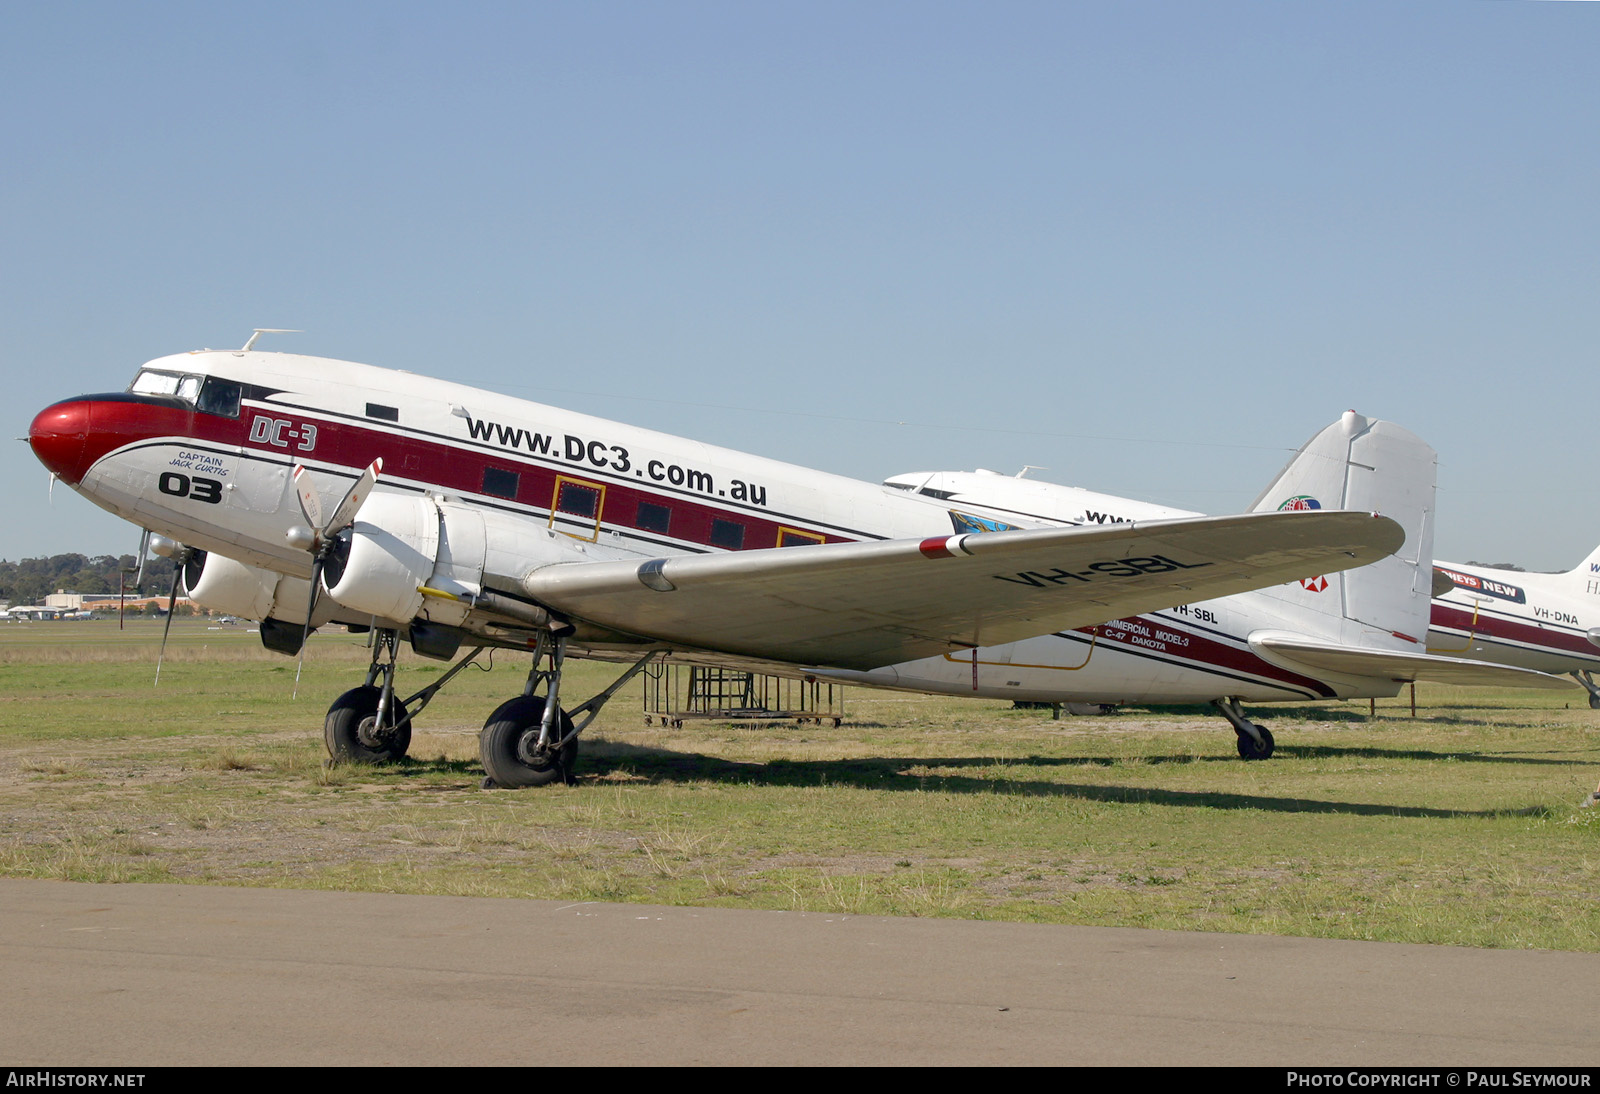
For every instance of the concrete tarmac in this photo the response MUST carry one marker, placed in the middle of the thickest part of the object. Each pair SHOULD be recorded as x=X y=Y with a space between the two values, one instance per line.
x=148 y=975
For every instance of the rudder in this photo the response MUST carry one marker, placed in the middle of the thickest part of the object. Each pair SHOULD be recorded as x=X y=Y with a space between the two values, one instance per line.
x=1363 y=464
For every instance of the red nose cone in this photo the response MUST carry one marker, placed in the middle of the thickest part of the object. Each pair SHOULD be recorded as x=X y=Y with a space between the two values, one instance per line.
x=58 y=436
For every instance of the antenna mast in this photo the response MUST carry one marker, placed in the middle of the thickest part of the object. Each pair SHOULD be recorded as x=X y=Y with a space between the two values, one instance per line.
x=259 y=331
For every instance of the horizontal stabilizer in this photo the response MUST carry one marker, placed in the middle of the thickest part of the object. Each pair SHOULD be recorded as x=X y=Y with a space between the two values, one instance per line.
x=862 y=605
x=1301 y=654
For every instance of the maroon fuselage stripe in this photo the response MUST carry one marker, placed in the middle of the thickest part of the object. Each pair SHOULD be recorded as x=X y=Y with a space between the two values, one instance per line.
x=1509 y=630
x=1143 y=634
x=452 y=469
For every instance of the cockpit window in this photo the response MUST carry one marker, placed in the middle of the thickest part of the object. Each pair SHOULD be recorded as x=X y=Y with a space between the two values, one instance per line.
x=219 y=397
x=151 y=382
x=205 y=393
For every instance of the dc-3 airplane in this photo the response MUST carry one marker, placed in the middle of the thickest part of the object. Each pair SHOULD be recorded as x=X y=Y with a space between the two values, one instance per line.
x=503 y=523
x=1548 y=622
x=1356 y=634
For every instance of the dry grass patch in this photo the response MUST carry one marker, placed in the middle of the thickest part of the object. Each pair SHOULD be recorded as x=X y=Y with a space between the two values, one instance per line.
x=1458 y=826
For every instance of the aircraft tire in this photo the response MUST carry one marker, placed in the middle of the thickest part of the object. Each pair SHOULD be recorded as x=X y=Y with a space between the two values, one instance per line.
x=503 y=733
x=1594 y=702
x=352 y=712
x=1249 y=749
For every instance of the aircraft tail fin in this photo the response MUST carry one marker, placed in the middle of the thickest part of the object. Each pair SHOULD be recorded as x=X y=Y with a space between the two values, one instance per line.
x=1589 y=568
x=1370 y=465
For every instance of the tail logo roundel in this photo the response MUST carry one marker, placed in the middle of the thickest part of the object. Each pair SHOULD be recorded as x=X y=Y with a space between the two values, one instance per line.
x=1302 y=502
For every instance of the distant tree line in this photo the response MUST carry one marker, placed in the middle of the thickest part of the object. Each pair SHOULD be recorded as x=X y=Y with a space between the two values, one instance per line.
x=32 y=579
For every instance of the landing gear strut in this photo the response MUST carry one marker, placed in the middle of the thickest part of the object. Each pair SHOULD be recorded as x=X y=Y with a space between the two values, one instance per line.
x=1255 y=740
x=1586 y=678
x=368 y=724
x=530 y=740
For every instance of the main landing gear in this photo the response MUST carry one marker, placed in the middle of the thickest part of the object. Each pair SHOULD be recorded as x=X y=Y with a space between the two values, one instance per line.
x=527 y=741
x=1255 y=740
x=1586 y=678
x=530 y=740
x=368 y=724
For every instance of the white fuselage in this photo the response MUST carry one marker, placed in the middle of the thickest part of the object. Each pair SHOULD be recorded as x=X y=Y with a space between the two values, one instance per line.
x=211 y=467
x=223 y=484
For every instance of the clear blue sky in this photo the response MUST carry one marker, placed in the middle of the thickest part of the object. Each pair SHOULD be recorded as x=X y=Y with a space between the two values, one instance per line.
x=1152 y=247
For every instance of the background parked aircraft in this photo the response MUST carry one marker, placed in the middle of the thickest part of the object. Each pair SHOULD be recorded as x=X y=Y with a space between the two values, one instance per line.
x=1549 y=622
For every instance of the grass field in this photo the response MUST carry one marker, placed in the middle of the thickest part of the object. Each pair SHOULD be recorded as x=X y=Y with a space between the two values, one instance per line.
x=1459 y=826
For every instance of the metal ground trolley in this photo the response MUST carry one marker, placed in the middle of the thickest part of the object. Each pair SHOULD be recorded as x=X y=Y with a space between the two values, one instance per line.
x=676 y=693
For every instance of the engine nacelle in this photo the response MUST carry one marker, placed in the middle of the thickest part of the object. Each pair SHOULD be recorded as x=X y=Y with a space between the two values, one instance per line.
x=233 y=588
x=401 y=545
x=410 y=558
x=383 y=561
x=223 y=585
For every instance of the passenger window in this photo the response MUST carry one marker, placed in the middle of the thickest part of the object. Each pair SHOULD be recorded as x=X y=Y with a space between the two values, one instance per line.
x=727 y=534
x=500 y=482
x=654 y=518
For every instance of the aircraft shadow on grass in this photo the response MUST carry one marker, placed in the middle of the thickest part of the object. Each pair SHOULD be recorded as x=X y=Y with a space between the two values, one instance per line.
x=946 y=774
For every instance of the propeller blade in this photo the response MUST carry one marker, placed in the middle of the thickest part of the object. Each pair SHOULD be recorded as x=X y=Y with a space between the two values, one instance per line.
x=323 y=535
x=310 y=502
x=172 y=602
x=352 y=501
x=144 y=555
x=305 y=635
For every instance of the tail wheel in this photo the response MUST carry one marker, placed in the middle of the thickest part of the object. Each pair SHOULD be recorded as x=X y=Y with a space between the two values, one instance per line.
x=509 y=745
x=351 y=729
x=1252 y=749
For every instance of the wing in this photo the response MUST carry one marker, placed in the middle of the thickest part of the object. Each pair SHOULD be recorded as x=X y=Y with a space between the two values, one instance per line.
x=862 y=605
x=1308 y=655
